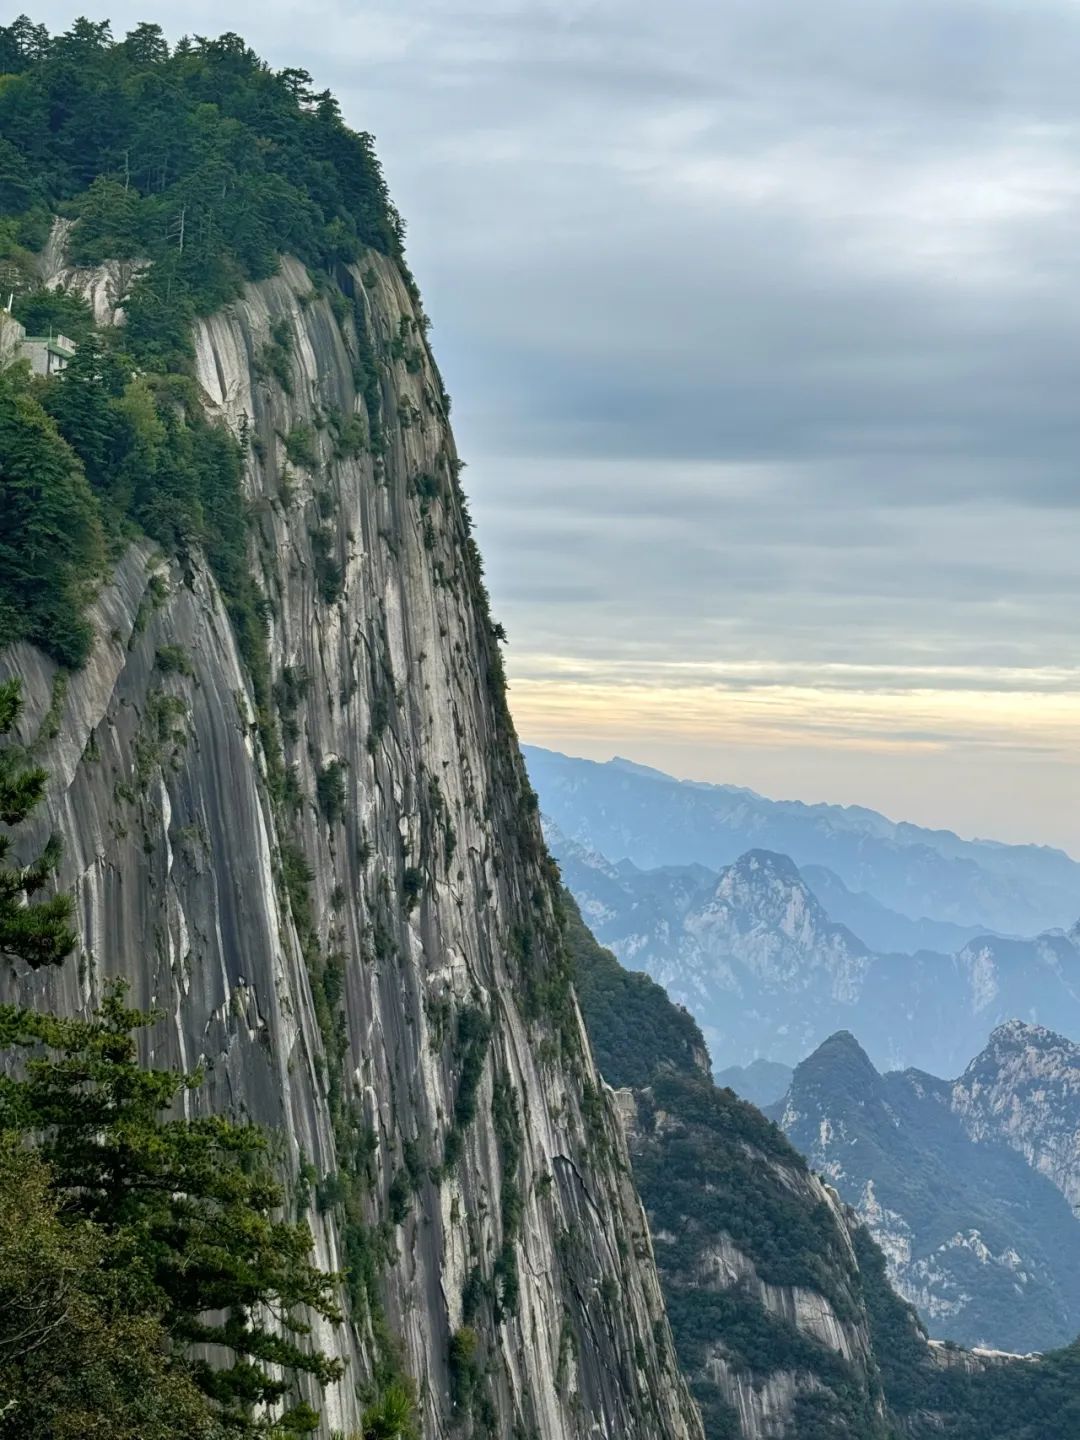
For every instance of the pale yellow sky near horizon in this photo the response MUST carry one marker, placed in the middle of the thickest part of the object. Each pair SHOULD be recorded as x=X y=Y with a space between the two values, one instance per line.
x=960 y=754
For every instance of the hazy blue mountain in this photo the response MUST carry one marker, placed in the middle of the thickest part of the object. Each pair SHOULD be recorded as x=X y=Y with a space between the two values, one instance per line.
x=624 y=810
x=884 y=929
x=769 y=974
x=762 y=1083
x=976 y=1233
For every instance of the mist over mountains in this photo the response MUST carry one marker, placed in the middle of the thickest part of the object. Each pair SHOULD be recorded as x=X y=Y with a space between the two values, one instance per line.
x=833 y=991
x=768 y=975
x=628 y=811
x=768 y=969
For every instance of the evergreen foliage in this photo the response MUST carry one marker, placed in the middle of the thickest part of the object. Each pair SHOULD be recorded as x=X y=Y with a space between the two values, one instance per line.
x=51 y=540
x=77 y=1360
x=633 y=1027
x=711 y=1170
x=201 y=160
x=168 y=1225
x=35 y=931
x=393 y=1416
x=1018 y=1400
x=202 y=165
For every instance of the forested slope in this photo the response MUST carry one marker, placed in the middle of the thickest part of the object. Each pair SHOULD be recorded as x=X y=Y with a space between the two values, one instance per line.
x=782 y=1315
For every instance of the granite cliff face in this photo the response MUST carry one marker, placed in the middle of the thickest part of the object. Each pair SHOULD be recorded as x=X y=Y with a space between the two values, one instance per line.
x=1023 y=1091
x=356 y=936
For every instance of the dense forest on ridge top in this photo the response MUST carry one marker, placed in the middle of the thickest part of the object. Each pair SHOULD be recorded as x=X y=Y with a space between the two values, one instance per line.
x=198 y=166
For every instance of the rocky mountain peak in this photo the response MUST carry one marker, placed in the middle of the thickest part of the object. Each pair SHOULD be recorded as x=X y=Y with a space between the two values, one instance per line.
x=958 y=1182
x=839 y=1068
x=764 y=890
x=926 y=875
x=1023 y=1091
x=844 y=1045
x=770 y=863
x=1020 y=1035
x=1019 y=1054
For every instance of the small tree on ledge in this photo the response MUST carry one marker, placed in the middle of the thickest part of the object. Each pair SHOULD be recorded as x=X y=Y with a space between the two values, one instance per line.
x=38 y=932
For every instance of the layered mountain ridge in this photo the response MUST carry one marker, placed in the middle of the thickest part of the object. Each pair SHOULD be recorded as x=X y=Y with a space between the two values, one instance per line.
x=769 y=974
x=627 y=811
x=969 y=1186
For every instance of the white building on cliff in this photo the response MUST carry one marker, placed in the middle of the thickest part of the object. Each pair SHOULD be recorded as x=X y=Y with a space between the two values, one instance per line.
x=48 y=354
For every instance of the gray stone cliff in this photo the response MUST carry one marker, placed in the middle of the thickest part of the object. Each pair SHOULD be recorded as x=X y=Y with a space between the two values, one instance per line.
x=337 y=933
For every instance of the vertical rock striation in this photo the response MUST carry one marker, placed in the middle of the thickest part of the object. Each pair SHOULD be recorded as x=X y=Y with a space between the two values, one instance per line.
x=353 y=929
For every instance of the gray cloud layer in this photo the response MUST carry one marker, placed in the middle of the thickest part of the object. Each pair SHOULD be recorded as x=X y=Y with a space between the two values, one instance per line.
x=762 y=319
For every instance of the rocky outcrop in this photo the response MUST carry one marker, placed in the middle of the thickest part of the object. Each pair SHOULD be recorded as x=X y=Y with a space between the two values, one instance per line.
x=354 y=933
x=1023 y=1090
x=763 y=1330
x=947 y=1179
x=762 y=1407
x=103 y=287
x=726 y=1267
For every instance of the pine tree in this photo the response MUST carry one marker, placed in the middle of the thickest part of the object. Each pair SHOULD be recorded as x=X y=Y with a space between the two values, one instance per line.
x=51 y=545
x=76 y=1361
x=186 y=1209
x=36 y=932
x=108 y=227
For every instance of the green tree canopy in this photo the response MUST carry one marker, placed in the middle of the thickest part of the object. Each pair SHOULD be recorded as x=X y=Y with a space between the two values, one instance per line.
x=182 y=1214
x=77 y=1362
x=35 y=931
x=202 y=161
x=51 y=544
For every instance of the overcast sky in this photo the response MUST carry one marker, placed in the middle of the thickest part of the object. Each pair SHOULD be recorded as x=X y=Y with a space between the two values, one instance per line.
x=762 y=324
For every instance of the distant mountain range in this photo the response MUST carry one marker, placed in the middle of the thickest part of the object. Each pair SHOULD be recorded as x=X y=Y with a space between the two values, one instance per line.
x=885 y=930
x=905 y=937
x=762 y=1082
x=769 y=974
x=628 y=811
x=970 y=1187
